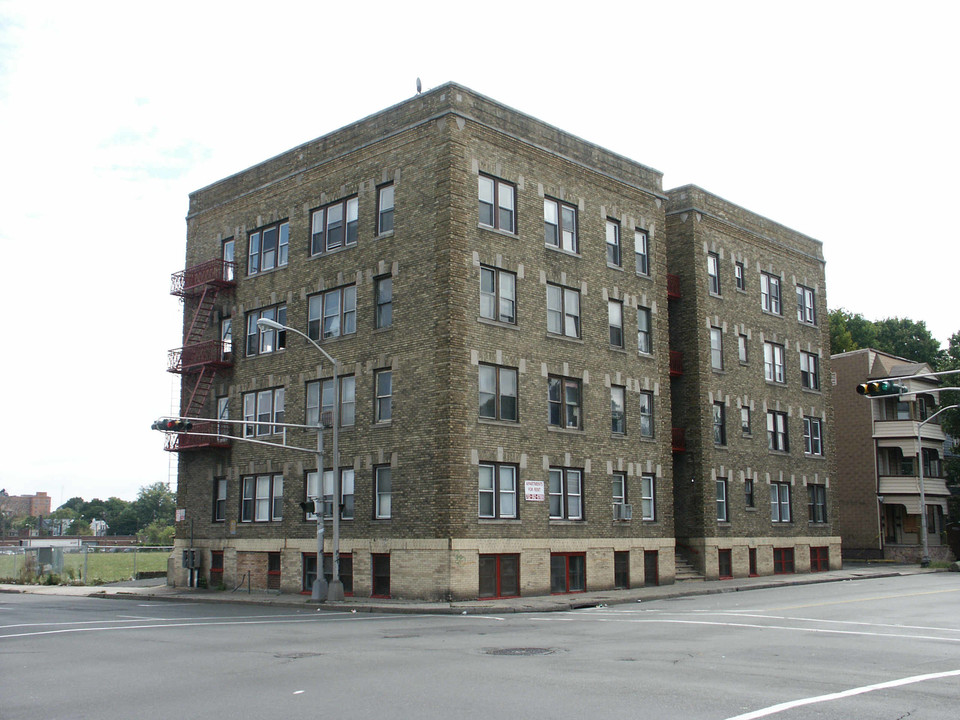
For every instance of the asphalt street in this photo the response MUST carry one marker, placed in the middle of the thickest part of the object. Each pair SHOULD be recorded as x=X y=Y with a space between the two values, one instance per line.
x=878 y=648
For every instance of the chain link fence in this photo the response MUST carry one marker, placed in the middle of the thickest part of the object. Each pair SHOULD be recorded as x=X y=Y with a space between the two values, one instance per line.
x=87 y=565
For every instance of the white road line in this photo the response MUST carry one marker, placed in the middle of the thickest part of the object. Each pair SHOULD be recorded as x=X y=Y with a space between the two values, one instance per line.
x=752 y=626
x=773 y=709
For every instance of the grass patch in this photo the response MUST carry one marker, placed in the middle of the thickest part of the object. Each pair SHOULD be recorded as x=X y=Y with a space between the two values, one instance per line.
x=101 y=566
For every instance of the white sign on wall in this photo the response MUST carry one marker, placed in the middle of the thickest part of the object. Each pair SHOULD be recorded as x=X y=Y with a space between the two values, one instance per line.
x=533 y=490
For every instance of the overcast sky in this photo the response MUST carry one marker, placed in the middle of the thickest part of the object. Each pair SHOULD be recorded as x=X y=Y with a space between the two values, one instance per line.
x=838 y=119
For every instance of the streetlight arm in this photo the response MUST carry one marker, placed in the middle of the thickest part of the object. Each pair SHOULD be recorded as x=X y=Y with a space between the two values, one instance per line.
x=274 y=325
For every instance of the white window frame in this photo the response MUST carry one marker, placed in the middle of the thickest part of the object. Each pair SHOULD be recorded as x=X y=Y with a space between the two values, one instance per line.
x=646 y=414
x=812 y=435
x=774 y=369
x=615 y=322
x=713 y=273
x=565 y=398
x=319 y=400
x=809 y=370
x=385 y=200
x=332 y=313
x=383 y=492
x=383 y=294
x=780 y=502
x=806 y=305
x=563 y=311
x=648 y=497
x=383 y=396
x=565 y=491
x=497 y=497
x=498 y=383
x=498 y=295
x=770 y=297
x=723 y=508
x=614 y=248
x=263 y=406
x=259 y=259
x=641 y=250
x=644 y=331
x=342 y=216
x=778 y=437
x=501 y=199
x=263 y=341
x=618 y=410
x=560 y=225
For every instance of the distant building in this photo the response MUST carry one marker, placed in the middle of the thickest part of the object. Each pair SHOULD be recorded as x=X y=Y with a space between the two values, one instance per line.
x=878 y=459
x=27 y=505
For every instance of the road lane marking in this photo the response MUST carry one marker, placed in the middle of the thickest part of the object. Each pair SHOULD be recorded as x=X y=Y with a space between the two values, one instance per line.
x=774 y=709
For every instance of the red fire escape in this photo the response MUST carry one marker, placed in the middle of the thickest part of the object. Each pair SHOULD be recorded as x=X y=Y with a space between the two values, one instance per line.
x=199 y=361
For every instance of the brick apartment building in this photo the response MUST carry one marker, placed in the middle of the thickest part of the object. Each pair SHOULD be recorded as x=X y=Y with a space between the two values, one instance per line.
x=496 y=294
x=878 y=460
x=36 y=505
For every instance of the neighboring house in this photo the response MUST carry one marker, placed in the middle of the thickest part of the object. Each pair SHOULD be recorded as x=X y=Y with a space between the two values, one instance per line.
x=37 y=505
x=496 y=293
x=878 y=459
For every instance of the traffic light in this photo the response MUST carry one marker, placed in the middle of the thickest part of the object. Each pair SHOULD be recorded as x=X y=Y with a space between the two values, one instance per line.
x=881 y=387
x=308 y=506
x=171 y=425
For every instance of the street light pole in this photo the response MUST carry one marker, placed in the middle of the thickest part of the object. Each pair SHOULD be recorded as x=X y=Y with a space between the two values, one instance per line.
x=335 y=591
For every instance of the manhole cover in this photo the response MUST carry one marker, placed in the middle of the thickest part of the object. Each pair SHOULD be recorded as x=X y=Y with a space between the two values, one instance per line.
x=520 y=651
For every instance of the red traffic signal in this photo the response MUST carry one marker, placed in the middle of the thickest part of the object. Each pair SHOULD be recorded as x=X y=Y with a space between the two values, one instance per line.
x=171 y=425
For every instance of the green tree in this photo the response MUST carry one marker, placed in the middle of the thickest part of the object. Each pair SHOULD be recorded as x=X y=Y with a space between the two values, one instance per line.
x=840 y=338
x=157 y=533
x=155 y=502
x=909 y=339
x=79 y=527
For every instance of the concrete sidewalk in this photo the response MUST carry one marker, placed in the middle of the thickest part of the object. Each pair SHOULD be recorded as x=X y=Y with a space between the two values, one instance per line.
x=142 y=590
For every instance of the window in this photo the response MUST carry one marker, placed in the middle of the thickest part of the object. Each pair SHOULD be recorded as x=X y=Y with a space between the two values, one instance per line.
x=644 y=331
x=227 y=251
x=498 y=295
x=738 y=273
x=320 y=400
x=713 y=273
x=615 y=321
x=498 y=393
x=618 y=411
x=817 y=503
x=334 y=226
x=770 y=293
x=724 y=564
x=499 y=576
x=742 y=348
x=806 y=305
x=773 y=366
x=619 y=489
x=646 y=414
x=648 y=497
x=332 y=313
x=226 y=337
x=383 y=289
x=268 y=248
x=716 y=348
x=722 y=510
x=266 y=340
x=346 y=570
x=613 y=243
x=312 y=492
x=780 y=502
x=262 y=408
x=719 y=424
x=812 y=436
x=777 y=431
x=809 y=371
x=568 y=572
x=383 y=492
x=782 y=561
x=385 y=209
x=383 y=382
x=223 y=413
x=346 y=493
x=273 y=571
x=563 y=397
x=748 y=496
x=262 y=498
x=641 y=249
x=219 y=499
x=563 y=311
x=560 y=225
x=745 y=419
x=498 y=491
x=497 y=202
x=566 y=494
